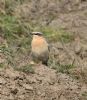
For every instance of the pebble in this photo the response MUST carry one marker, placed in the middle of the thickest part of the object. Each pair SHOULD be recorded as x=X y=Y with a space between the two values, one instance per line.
x=28 y=87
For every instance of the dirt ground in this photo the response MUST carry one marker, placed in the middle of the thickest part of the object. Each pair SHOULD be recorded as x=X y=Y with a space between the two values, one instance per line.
x=46 y=83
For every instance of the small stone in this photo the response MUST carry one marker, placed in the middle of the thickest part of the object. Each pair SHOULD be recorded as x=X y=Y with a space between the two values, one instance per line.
x=78 y=49
x=2 y=81
x=11 y=97
x=51 y=83
x=31 y=80
x=43 y=94
x=62 y=97
x=28 y=87
x=14 y=91
x=21 y=97
x=38 y=93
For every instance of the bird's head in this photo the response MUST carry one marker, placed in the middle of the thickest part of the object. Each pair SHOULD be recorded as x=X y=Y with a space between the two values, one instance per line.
x=37 y=33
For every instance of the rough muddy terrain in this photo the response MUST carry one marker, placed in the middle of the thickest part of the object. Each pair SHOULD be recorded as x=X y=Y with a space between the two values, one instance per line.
x=44 y=84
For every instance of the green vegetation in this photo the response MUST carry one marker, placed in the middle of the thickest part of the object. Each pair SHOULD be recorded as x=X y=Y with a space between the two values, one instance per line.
x=1 y=65
x=26 y=69
x=12 y=27
x=63 y=68
x=84 y=95
x=55 y=35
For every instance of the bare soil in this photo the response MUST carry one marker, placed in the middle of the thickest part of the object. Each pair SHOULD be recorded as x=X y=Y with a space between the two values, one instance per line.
x=44 y=84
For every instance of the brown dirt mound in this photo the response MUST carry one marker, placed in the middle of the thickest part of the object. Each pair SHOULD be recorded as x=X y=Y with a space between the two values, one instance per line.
x=44 y=84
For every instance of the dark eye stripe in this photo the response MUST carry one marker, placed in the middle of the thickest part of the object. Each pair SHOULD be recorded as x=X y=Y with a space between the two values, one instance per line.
x=37 y=34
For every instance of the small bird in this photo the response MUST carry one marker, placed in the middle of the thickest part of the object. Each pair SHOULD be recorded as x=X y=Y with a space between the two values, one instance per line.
x=39 y=48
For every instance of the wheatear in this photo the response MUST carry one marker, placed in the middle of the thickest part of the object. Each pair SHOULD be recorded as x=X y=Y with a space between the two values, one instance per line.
x=39 y=48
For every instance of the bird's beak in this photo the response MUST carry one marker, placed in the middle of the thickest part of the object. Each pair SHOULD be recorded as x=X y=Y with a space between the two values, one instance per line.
x=31 y=33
